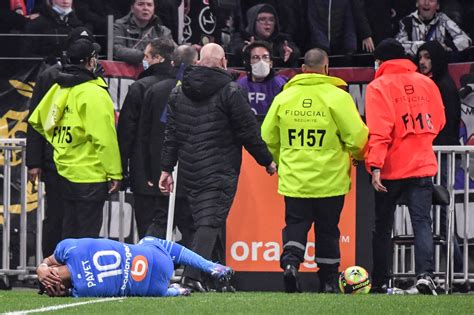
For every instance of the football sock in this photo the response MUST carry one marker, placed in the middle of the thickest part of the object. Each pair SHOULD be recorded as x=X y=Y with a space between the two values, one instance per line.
x=182 y=255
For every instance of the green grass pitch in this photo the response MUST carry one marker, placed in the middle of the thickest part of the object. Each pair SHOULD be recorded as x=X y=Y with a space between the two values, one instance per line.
x=247 y=303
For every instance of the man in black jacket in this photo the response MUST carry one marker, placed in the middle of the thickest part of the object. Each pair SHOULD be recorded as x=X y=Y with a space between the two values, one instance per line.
x=157 y=64
x=56 y=19
x=209 y=119
x=151 y=133
x=433 y=62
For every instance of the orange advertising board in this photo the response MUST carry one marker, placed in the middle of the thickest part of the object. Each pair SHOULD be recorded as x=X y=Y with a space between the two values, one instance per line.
x=257 y=217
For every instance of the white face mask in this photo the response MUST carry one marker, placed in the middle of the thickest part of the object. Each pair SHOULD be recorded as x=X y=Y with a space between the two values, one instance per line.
x=376 y=65
x=145 y=63
x=61 y=11
x=261 y=69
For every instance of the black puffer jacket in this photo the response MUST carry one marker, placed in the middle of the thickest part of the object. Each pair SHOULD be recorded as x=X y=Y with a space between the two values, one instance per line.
x=209 y=119
x=452 y=103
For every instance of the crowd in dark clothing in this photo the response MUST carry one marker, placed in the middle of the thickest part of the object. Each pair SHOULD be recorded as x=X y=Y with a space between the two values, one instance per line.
x=340 y=27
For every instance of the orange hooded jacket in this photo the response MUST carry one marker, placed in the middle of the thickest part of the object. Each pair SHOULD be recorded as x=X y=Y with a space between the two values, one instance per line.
x=404 y=112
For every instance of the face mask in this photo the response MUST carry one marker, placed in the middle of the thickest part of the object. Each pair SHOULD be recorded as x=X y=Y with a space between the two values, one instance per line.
x=61 y=11
x=376 y=66
x=261 y=69
x=145 y=63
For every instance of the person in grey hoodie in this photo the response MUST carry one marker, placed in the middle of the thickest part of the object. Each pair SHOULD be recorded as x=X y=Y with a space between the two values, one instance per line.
x=263 y=24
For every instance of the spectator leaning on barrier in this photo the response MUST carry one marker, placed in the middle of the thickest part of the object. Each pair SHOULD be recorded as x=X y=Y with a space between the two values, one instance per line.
x=427 y=24
x=151 y=133
x=405 y=113
x=77 y=117
x=57 y=18
x=263 y=25
x=39 y=153
x=157 y=65
x=331 y=25
x=379 y=14
x=364 y=32
x=133 y=32
x=261 y=82
x=209 y=120
x=312 y=129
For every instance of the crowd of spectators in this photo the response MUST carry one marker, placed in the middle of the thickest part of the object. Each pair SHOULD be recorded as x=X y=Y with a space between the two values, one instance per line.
x=343 y=28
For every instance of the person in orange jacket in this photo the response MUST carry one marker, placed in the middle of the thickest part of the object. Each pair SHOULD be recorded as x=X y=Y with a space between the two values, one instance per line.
x=404 y=112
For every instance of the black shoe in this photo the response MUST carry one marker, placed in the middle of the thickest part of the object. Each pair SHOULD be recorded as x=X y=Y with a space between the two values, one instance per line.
x=379 y=289
x=331 y=284
x=464 y=287
x=290 y=279
x=225 y=287
x=193 y=285
x=426 y=285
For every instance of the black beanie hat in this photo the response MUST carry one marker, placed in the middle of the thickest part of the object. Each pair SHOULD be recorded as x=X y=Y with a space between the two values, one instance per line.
x=389 y=49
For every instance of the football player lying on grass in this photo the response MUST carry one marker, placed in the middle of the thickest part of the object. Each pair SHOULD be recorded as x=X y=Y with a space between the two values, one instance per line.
x=105 y=268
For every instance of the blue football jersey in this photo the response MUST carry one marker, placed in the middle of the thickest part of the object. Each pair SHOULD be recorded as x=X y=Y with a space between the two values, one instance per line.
x=102 y=267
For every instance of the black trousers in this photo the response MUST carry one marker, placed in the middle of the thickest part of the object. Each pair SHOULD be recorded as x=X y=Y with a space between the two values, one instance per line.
x=209 y=243
x=83 y=208
x=182 y=219
x=146 y=207
x=300 y=214
x=54 y=212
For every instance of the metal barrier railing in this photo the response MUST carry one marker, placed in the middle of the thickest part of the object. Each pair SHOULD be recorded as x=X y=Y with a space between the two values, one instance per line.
x=8 y=147
x=447 y=155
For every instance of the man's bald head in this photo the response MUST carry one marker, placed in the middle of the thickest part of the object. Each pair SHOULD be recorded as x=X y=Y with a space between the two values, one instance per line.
x=316 y=60
x=212 y=55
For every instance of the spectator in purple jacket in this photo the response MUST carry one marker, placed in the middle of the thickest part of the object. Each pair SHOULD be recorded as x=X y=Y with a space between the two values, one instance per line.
x=260 y=82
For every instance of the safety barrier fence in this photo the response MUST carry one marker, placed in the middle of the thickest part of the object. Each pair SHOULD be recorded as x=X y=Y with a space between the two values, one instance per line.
x=357 y=59
x=117 y=214
x=454 y=162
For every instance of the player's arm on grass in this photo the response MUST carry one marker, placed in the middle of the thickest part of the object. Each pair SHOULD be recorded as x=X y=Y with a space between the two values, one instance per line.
x=176 y=290
x=47 y=275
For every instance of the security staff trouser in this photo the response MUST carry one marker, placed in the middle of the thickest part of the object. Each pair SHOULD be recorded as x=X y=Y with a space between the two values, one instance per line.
x=54 y=211
x=83 y=208
x=300 y=214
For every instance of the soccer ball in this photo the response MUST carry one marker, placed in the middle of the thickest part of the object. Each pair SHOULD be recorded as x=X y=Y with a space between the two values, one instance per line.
x=354 y=280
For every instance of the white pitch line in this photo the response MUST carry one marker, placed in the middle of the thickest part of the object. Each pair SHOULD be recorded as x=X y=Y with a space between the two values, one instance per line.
x=59 y=307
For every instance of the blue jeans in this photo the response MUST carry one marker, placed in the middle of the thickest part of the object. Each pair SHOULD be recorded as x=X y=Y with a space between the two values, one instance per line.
x=418 y=193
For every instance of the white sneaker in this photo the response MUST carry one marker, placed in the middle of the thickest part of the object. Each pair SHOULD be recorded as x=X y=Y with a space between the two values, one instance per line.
x=412 y=290
x=426 y=285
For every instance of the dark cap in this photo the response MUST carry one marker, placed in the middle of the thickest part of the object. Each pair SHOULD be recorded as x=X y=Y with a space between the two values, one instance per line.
x=82 y=33
x=80 y=50
x=388 y=49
